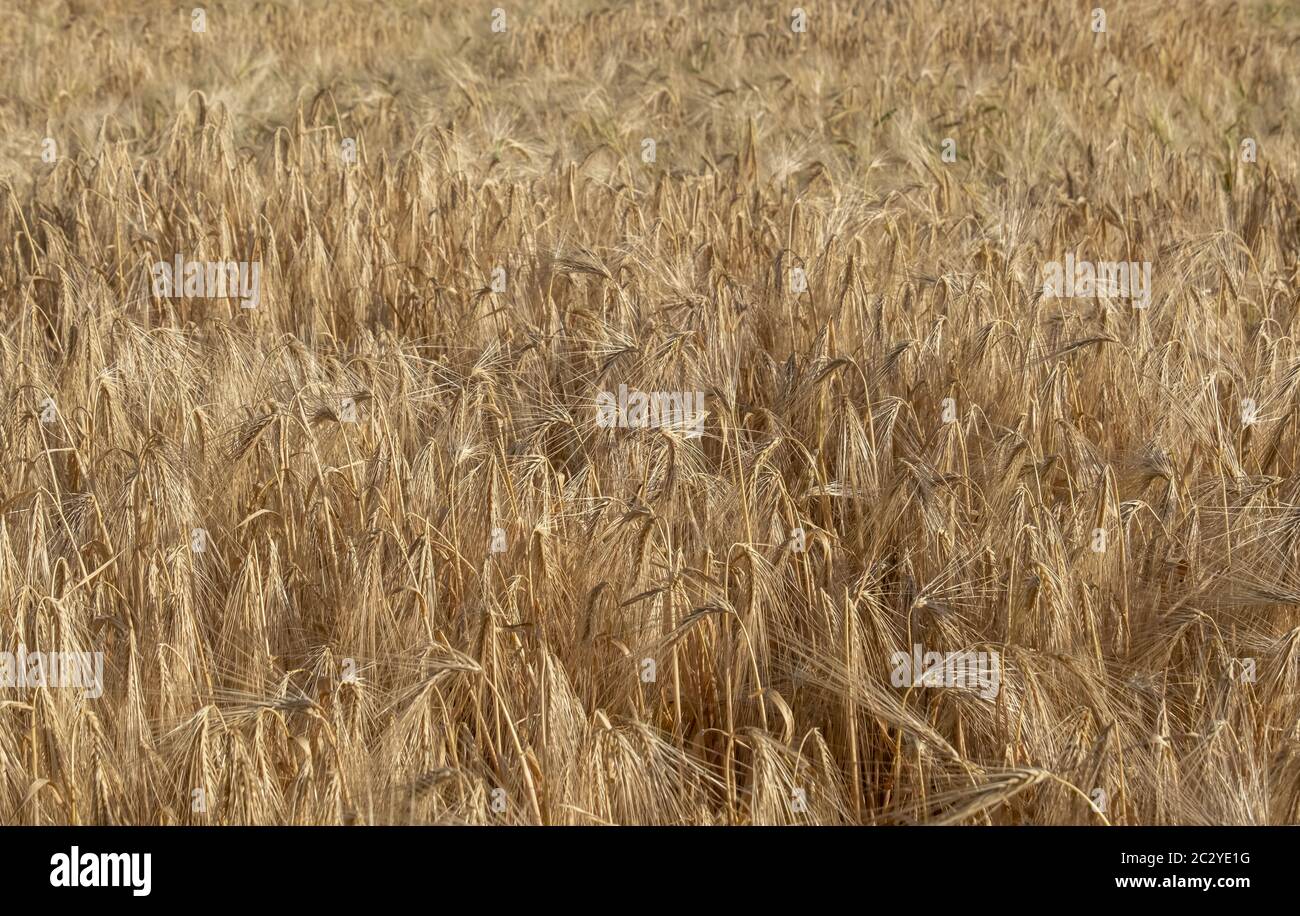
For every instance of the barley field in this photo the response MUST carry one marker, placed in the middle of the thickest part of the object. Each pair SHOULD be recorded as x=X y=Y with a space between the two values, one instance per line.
x=613 y=406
